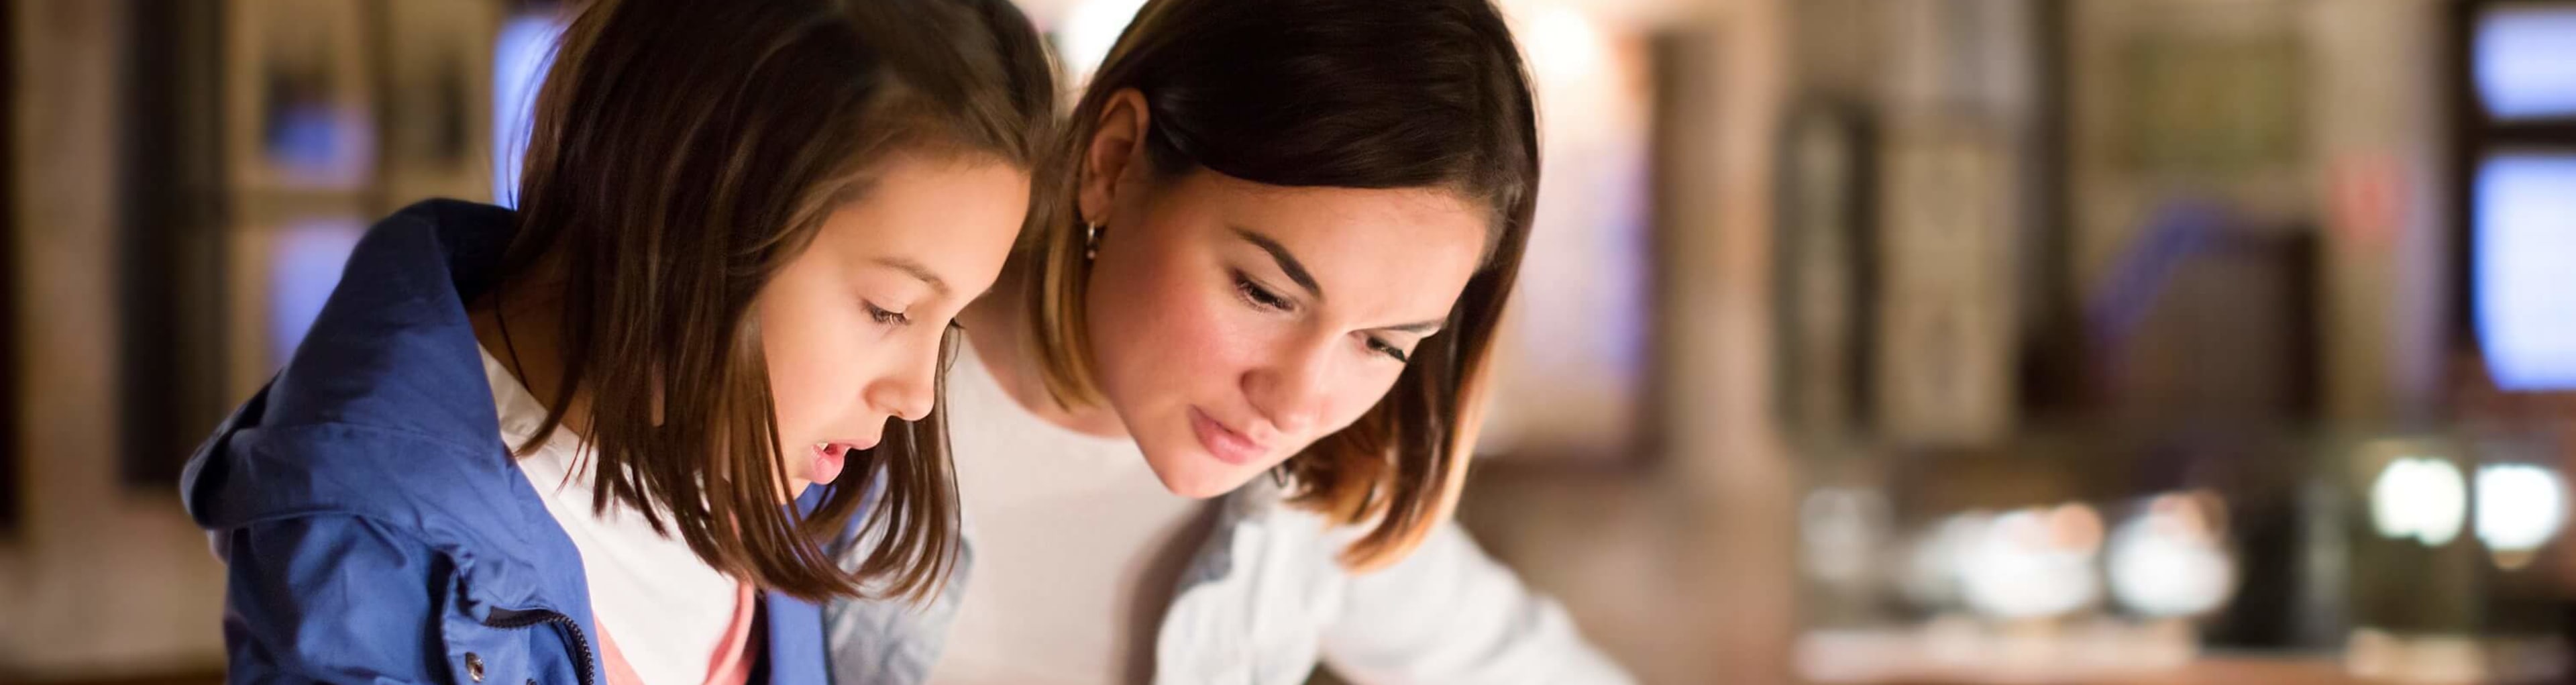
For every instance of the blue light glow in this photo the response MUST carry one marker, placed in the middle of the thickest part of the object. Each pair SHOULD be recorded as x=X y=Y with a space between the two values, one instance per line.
x=2525 y=279
x=2526 y=61
x=525 y=48
x=305 y=261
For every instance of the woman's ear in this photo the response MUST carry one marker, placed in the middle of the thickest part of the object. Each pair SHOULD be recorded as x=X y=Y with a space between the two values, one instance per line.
x=1115 y=145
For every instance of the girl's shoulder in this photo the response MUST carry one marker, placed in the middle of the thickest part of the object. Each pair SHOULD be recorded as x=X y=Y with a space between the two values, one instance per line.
x=342 y=598
x=375 y=526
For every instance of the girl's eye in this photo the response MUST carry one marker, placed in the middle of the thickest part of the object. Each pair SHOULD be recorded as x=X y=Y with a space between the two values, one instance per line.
x=886 y=317
x=1259 y=296
x=1381 y=346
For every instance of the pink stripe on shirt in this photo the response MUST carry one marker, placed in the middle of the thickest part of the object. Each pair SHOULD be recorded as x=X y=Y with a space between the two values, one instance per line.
x=733 y=658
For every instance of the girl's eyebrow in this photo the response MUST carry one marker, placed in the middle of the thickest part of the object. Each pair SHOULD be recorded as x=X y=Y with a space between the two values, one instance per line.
x=1419 y=327
x=916 y=270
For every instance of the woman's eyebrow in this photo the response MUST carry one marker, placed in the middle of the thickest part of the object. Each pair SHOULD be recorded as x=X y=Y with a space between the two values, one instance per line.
x=1287 y=262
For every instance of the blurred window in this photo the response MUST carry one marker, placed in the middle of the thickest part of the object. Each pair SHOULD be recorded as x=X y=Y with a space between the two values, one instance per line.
x=2525 y=281
x=2515 y=112
x=519 y=59
x=2525 y=61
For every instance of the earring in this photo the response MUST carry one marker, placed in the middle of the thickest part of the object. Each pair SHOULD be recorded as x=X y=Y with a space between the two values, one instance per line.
x=1091 y=241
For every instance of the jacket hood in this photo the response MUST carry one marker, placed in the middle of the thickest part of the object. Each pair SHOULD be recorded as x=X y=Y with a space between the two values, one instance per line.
x=383 y=413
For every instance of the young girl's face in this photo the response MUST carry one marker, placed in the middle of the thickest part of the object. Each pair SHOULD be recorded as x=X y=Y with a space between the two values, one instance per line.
x=852 y=326
x=1232 y=323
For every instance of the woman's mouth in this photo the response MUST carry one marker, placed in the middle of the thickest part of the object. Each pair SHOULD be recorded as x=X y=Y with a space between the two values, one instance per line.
x=1224 y=443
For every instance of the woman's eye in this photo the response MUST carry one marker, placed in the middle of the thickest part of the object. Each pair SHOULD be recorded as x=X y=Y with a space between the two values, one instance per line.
x=1259 y=296
x=886 y=317
x=1381 y=346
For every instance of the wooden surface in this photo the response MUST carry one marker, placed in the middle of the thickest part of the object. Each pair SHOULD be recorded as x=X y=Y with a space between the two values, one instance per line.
x=2248 y=671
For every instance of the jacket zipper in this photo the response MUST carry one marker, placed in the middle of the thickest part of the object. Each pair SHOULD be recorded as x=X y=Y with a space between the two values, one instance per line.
x=565 y=624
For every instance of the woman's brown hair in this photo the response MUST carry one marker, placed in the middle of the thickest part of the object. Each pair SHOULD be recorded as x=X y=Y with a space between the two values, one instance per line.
x=1325 y=93
x=681 y=154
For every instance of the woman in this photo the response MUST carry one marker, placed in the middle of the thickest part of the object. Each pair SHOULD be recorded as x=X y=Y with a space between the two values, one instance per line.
x=557 y=445
x=1297 y=224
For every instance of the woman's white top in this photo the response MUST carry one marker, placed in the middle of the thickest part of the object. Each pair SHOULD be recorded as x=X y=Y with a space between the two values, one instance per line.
x=1048 y=579
x=1066 y=528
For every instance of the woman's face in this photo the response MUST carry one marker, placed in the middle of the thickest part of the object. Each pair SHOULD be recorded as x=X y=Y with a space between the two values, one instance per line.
x=1232 y=323
x=852 y=326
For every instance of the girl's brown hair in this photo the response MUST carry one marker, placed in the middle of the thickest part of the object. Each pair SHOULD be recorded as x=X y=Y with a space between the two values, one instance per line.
x=683 y=152
x=1326 y=93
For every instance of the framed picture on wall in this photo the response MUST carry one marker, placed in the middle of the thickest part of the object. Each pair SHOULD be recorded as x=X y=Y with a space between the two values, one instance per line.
x=1826 y=270
x=438 y=58
x=300 y=112
x=2208 y=96
x=1944 y=310
x=280 y=271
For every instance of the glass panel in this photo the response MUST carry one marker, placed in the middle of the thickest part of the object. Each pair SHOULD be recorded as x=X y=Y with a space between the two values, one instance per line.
x=2525 y=246
x=2525 y=61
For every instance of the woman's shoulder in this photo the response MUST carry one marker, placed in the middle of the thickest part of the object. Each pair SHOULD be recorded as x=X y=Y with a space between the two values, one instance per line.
x=1287 y=533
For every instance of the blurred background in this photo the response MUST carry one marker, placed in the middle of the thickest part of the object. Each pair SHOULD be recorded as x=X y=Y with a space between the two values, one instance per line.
x=1862 y=341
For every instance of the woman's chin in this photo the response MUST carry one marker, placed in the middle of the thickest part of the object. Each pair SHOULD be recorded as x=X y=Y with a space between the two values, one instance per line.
x=1195 y=476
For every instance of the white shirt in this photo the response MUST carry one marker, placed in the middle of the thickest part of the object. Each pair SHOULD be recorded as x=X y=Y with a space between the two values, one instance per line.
x=1259 y=600
x=667 y=610
x=1067 y=528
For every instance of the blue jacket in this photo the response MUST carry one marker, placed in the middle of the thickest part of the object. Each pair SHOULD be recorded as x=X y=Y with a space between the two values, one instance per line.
x=376 y=528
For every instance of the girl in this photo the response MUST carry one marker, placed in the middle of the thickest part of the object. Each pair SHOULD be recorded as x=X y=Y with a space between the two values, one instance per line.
x=555 y=445
x=1297 y=224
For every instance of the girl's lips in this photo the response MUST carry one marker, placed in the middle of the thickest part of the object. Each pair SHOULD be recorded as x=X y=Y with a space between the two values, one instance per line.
x=828 y=458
